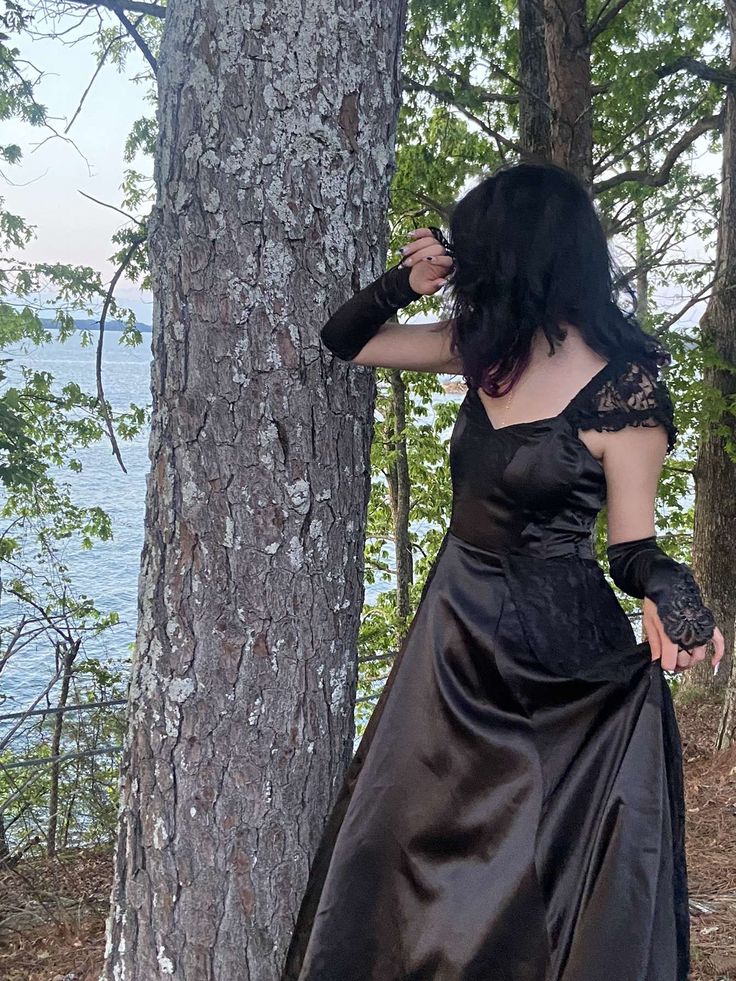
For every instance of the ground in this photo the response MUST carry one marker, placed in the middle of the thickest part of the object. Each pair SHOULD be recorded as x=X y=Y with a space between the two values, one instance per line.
x=52 y=912
x=710 y=786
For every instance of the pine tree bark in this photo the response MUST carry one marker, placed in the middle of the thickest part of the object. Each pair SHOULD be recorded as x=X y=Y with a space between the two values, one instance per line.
x=274 y=157
x=535 y=122
x=714 y=543
x=570 y=91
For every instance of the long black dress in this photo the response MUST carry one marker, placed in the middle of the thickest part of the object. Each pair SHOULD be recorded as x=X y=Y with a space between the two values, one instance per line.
x=514 y=811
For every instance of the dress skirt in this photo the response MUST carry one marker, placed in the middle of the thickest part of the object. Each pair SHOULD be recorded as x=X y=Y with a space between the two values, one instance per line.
x=514 y=812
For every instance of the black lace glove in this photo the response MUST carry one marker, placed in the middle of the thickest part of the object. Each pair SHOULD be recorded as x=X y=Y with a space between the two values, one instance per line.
x=354 y=323
x=642 y=569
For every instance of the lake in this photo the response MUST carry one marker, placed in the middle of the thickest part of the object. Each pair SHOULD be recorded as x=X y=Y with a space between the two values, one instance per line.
x=107 y=573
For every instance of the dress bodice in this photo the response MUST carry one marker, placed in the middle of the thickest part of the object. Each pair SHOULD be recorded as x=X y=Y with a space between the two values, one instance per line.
x=535 y=487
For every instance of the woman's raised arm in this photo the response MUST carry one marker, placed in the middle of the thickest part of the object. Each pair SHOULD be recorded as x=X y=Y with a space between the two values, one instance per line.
x=362 y=331
x=412 y=347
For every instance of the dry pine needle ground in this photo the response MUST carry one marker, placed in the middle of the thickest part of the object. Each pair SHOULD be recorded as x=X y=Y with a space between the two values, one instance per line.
x=52 y=912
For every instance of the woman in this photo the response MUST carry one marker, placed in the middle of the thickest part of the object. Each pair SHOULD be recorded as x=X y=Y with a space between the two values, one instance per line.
x=514 y=811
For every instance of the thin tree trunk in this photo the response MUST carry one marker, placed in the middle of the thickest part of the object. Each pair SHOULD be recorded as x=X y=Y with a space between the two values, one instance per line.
x=274 y=159
x=570 y=93
x=535 y=122
x=402 y=500
x=714 y=545
x=68 y=653
x=642 y=256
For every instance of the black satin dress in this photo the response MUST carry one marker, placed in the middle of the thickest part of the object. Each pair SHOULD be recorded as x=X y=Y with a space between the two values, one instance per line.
x=514 y=811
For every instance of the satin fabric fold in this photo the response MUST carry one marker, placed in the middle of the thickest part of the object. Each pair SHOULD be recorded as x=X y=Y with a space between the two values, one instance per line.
x=505 y=817
x=515 y=808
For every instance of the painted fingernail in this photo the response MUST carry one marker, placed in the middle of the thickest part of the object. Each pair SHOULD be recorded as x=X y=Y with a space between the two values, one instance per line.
x=430 y=258
x=401 y=250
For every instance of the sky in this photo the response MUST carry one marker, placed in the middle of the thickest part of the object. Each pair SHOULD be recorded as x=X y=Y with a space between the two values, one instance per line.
x=45 y=188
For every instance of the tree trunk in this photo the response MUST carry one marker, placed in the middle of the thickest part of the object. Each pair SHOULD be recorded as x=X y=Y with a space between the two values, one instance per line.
x=4 y=850
x=642 y=268
x=274 y=159
x=570 y=93
x=535 y=133
x=714 y=545
x=68 y=654
x=400 y=497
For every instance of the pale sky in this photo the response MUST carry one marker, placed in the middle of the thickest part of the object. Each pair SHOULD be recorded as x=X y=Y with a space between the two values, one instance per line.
x=45 y=188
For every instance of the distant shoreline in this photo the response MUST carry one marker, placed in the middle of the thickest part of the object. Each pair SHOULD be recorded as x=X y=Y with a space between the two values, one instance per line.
x=48 y=324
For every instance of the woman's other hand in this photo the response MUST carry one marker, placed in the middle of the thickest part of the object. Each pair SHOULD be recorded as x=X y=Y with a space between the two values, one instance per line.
x=664 y=649
x=428 y=260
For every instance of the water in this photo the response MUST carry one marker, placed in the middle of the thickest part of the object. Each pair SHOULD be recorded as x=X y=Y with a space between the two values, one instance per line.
x=107 y=573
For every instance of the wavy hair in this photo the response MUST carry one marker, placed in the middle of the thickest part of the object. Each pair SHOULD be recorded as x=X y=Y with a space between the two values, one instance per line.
x=530 y=251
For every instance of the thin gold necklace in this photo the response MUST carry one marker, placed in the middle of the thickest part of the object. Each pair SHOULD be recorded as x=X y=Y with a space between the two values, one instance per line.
x=507 y=404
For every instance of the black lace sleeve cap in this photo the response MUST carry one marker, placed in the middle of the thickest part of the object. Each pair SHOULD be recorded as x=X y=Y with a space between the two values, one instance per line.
x=632 y=395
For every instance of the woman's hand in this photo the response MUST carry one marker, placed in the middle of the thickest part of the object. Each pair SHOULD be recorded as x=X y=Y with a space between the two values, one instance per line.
x=672 y=657
x=428 y=260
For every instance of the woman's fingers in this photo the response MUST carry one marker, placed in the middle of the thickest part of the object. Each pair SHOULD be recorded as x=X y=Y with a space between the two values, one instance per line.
x=429 y=267
x=697 y=654
x=416 y=245
x=432 y=249
x=438 y=261
x=422 y=243
x=670 y=655
x=719 y=647
x=653 y=629
x=655 y=644
x=420 y=233
x=427 y=277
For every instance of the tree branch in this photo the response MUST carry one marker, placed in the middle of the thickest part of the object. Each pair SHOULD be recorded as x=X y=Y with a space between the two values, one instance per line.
x=602 y=20
x=98 y=69
x=661 y=177
x=441 y=209
x=112 y=207
x=697 y=298
x=411 y=85
x=698 y=68
x=132 y=248
x=610 y=158
x=447 y=99
x=133 y=31
x=153 y=9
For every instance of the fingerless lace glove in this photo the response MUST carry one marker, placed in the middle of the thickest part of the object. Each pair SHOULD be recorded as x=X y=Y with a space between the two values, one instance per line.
x=354 y=323
x=642 y=569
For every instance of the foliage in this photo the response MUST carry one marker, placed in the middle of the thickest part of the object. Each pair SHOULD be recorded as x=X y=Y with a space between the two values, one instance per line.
x=458 y=120
x=88 y=784
x=45 y=423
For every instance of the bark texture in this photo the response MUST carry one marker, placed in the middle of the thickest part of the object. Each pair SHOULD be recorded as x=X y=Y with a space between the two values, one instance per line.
x=399 y=492
x=570 y=95
x=714 y=544
x=535 y=132
x=274 y=159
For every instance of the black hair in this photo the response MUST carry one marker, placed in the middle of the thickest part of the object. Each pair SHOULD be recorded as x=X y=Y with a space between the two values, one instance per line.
x=530 y=251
